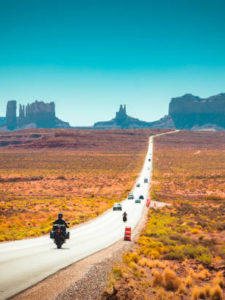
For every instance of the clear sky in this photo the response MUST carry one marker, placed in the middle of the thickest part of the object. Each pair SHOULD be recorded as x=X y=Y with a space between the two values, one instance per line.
x=91 y=56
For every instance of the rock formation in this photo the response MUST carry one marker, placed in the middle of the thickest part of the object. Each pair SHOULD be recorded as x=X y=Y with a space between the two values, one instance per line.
x=121 y=115
x=191 y=112
x=38 y=112
x=35 y=115
x=123 y=121
x=11 y=121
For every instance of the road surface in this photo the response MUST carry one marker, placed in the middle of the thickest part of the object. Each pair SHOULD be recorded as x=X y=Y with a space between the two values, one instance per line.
x=26 y=262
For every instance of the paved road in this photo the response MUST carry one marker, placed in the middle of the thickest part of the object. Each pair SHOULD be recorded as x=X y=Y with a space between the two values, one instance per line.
x=26 y=262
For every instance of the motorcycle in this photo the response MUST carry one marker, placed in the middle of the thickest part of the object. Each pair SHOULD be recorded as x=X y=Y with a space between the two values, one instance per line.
x=59 y=235
x=124 y=218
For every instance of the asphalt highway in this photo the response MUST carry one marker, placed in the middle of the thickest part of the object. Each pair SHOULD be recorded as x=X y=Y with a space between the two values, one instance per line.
x=26 y=262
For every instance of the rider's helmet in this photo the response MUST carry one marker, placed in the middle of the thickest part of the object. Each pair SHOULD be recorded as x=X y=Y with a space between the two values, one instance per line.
x=60 y=216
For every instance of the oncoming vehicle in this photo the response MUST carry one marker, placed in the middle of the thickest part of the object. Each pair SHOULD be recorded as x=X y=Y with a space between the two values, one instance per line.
x=130 y=196
x=137 y=200
x=117 y=206
x=141 y=197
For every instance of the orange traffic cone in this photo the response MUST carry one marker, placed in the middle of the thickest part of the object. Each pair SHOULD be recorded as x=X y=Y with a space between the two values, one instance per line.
x=127 y=234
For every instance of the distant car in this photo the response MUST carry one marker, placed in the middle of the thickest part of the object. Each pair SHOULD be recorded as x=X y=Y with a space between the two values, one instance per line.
x=138 y=185
x=141 y=197
x=149 y=159
x=130 y=196
x=137 y=200
x=146 y=180
x=117 y=206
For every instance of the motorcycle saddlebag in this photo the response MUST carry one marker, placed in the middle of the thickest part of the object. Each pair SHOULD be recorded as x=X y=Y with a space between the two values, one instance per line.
x=52 y=234
x=67 y=235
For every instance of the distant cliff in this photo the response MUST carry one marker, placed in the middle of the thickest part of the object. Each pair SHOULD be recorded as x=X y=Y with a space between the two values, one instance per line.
x=11 y=121
x=192 y=112
x=40 y=113
x=123 y=121
x=35 y=115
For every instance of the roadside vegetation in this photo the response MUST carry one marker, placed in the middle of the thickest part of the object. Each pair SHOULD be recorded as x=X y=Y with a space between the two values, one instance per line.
x=79 y=173
x=181 y=252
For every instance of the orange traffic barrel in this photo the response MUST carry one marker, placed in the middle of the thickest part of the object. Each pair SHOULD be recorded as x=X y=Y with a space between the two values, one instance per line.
x=127 y=234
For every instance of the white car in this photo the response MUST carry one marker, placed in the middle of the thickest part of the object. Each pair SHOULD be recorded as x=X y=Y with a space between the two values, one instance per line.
x=130 y=196
x=117 y=206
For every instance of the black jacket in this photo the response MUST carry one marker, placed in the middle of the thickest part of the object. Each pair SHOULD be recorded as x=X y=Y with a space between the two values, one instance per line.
x=62 y=222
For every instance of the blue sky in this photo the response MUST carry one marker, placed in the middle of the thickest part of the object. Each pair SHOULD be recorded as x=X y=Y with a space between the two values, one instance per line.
x=91 y=56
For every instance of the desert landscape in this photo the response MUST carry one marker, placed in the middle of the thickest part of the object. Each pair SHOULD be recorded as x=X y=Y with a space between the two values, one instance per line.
x=112 y=150
x=79 y=173
x=180 y=254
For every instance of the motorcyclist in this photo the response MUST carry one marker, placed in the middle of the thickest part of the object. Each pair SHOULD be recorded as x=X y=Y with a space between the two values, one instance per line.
x=60 y=221
x=124 y=216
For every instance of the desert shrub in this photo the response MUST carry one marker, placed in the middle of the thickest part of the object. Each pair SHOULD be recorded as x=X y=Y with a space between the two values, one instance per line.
x=182 y=289
x=203 y=274
x=117 y=272
x=146 y=241
x=176 y=253
x=143 y=262
x=195 y=231
x=207 y=290
x=133 y=265
x=218 y=280
x=205 y=258
x=180 y=238
x=188 y=281
x=156 y=264
x=196 y=292
x=199 y=252
x=170 y=280
x=167 y=240
x=180 y=229
x=202 y=293
x=130 y=256
x=150 y=252
x=216 y=293
x=180 y=252
x=157 y=278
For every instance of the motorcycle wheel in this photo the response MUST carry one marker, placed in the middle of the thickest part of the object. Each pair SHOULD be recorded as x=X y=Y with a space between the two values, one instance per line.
x=59 y=246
